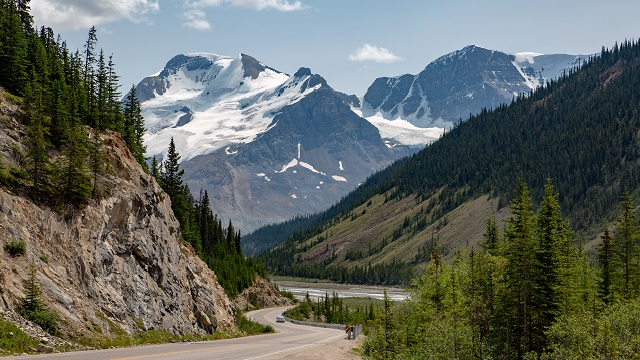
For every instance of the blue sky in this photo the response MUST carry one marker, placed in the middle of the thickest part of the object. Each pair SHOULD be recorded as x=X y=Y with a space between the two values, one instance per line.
x=349 y=42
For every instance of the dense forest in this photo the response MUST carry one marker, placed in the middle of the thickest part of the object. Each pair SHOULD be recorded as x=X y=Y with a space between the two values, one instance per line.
x=581 y=130
x=528 y=293
x=218 y=246
x=69 y=99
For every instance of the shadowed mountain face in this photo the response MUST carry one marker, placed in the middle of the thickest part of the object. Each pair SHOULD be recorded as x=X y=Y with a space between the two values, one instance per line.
x=316 y=151
x=462 y=83
x=266 y=146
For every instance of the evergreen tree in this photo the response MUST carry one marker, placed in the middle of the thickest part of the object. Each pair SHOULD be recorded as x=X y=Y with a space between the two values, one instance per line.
x=102 y=93
x=114 y=117
x=38 y=162
x=607 y=257
x=75 y=182
x=96 y=159
x=133 y=127
x=491 y=236
x=155 y=168
x=518 y=298
x=626 y=238
x=89 y=76
x=172 y=174
x=13 y=50
x=549 y=228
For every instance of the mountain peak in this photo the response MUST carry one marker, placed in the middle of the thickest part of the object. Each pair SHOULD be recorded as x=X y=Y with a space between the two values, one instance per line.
x=252 y=67
x=303 y=71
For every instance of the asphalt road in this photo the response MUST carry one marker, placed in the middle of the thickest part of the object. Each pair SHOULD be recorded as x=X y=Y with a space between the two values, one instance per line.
x=289 y=340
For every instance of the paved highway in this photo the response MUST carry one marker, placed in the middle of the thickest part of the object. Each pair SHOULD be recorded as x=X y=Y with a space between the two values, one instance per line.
x=289 y=341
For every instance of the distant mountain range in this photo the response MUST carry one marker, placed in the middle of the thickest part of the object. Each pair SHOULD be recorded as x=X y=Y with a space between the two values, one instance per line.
x=268 y=146
x=462 y=83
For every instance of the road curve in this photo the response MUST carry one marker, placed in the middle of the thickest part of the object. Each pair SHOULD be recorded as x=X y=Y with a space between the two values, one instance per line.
x=289 y=340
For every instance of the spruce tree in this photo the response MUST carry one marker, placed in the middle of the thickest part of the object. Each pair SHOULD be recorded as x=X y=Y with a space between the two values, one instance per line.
x=89 y=77
x=96 y=159
x=38 y=162
x=13 y=51
x=75 y=182
x=518 y=298
x=133 y=126
x=626 y=238
x=114 y=105
x=491 y=236
x=172 y=174
x=607 y=258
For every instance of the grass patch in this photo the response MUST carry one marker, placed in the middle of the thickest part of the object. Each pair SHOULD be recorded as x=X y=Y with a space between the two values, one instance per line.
x=16 y=247
x=251 y=327
x=13 y=340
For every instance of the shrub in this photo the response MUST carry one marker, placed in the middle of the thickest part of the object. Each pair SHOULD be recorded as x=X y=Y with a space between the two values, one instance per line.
x=16 y=247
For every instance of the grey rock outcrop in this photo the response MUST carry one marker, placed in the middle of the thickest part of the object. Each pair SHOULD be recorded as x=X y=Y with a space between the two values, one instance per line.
x=117 y=259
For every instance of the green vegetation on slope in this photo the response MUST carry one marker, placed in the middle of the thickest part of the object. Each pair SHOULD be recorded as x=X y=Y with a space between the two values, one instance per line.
x=530 y=293
x=66 y=100
x=580 y=130
x=218 y=246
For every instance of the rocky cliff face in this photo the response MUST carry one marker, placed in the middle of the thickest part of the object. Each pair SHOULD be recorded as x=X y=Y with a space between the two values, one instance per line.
x=119 y=258
x=260 y=295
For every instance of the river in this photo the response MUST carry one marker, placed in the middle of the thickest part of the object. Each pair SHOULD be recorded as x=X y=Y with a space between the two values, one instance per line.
x=318 y=290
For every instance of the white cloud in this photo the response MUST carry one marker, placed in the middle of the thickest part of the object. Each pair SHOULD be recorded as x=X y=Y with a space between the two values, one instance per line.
x=196 y=20
x=281 y=5
x=82 y=14
x=196 y=17
x=368 y=52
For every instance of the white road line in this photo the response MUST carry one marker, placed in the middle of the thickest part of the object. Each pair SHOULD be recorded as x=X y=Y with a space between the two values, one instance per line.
x=298 y=347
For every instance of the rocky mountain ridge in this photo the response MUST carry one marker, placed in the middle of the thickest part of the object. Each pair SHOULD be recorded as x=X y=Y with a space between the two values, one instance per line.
x=462 y=83
x=266 y=146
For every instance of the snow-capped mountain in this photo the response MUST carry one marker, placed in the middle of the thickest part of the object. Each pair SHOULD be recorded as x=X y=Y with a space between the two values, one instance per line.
x=268 y=146
x=265 y=145
x=461 y=83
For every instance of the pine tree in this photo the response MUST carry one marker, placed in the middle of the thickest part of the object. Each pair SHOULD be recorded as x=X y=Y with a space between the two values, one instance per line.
x=32 y=308
x=491 y=236
x=89 y=76
x=102 y=93
x=75 y=182
x=607 y=257
x=114 y=112
x=172 y=174
x=38 y=162
x=133 y=126
x=626 y=238
x=550 y=233
x=518 y=299
x=13 y=51
x=155 y=168
x=96 y=160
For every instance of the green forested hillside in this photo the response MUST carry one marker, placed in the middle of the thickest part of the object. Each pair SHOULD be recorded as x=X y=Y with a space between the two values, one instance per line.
x=65 y=100
x=581 y=130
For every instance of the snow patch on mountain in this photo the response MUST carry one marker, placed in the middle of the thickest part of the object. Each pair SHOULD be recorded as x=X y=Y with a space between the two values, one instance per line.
x=402 y=132
x=227 y=102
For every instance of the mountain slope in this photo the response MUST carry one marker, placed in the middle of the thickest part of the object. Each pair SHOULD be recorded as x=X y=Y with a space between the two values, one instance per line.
x=462 y=83
x=582 y=131
x=116 y=260
x=265 y=146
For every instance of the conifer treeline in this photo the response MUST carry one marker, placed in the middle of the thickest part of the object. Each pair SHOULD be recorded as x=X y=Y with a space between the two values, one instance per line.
x=529 y=293
x=218 y=246
x=69 y=98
